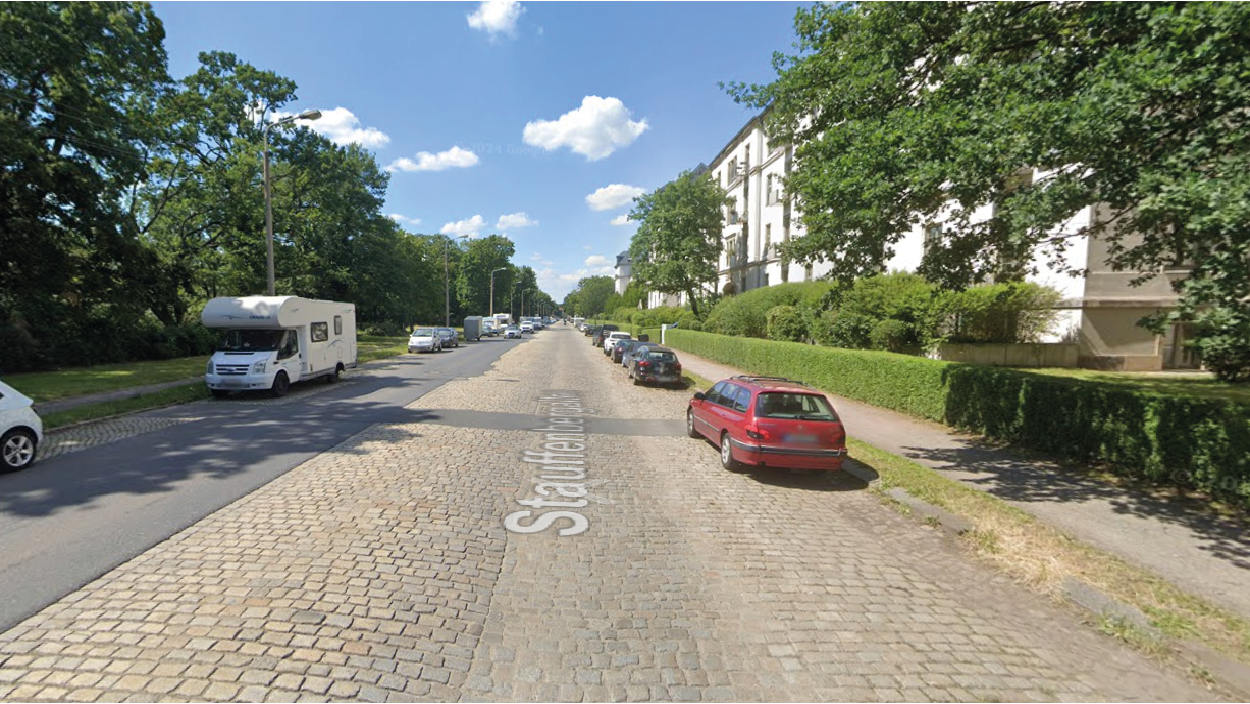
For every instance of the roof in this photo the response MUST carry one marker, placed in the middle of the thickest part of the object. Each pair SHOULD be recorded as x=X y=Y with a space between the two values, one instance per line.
x=772 y=383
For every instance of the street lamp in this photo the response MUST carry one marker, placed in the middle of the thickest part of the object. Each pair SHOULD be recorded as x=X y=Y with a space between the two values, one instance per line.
x=447 y=277
x=492 y=289
x=523 y=300
x=306 y=115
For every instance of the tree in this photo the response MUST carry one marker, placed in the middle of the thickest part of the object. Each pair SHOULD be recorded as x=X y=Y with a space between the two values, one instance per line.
x=77 y=86
x=677 y=246
x=900 y=110
x=483 y=256
x=591 y=295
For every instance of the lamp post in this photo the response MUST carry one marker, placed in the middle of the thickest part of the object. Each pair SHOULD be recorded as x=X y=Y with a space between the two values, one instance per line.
x=306 y=115
x=492 y=289
x=523 y=292
x=447 y=278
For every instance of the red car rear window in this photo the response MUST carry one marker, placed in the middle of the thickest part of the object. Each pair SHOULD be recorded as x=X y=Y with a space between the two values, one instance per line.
x=779 y=404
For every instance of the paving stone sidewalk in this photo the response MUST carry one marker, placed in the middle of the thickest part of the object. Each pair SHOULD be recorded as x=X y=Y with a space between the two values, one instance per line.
x=381 y=571
x=1180 y=540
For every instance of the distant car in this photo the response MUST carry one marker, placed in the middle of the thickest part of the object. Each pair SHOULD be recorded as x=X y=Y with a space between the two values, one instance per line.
x=512 y=331
x=489 y=328
x=769 y=422
x=591 y=330
x=21 y=429
x=527 y=326
x=601 y=334
x=425 y=340
x=654 y=364
x=449 y=336
x=614 y=337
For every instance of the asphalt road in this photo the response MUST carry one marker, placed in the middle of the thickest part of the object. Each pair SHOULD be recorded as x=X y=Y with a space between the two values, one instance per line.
x=69 y=519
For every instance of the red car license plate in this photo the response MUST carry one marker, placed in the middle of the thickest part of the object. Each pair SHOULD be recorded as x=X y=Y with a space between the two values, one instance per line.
x=801 y=438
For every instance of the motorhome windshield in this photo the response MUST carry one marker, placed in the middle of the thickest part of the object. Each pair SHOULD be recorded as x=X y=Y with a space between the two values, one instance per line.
x=250 y=341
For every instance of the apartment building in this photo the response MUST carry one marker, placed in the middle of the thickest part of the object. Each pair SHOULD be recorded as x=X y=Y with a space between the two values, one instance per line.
x=759 y=217
x=1099 y=310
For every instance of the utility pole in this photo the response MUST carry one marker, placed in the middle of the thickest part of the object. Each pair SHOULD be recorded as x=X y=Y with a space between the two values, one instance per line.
x=492 y=289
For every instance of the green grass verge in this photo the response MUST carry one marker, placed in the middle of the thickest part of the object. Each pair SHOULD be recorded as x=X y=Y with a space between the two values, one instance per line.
x=195 y=391
x=64 y=383
x=370 y=348
x=1041 y=556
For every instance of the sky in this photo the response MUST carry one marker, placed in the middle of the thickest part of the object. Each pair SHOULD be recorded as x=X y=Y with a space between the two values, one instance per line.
x=538 y=121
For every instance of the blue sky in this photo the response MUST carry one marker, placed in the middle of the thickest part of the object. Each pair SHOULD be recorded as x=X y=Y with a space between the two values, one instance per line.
x=504 y=117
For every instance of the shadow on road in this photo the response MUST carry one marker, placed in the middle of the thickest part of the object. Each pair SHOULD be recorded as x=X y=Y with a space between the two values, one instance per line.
x=218 y=447
x=1012 y=477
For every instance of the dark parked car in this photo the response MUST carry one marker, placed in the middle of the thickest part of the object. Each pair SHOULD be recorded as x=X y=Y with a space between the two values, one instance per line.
x=592 y=330
x=620 y=353
x=450 y=337
x=651 y=363
x=768 y=421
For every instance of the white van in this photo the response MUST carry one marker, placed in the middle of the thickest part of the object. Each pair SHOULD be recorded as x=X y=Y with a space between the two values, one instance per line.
x=271 y=342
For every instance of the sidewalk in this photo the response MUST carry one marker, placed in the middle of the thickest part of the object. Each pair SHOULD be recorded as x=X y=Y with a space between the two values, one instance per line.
x=1180 y=540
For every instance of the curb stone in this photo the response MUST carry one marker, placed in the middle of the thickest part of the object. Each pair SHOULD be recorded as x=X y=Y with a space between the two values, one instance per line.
x=949 y=521
x=1094 y=601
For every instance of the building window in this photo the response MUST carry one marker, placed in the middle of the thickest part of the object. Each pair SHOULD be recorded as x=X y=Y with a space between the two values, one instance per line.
x=807 y=273
x=932 y=236
x=338 y=325
x=320 y=332
x=768 y=241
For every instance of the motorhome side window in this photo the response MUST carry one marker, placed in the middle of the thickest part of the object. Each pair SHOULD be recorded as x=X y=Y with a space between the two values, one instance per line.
x=320 y=332
x=290 y=345
x=338 y=325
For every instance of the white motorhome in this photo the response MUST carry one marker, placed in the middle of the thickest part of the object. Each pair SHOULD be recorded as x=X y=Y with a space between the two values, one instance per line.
x=271 y=342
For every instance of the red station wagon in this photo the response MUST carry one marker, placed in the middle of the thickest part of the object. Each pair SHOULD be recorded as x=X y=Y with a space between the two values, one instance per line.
x=768 y=422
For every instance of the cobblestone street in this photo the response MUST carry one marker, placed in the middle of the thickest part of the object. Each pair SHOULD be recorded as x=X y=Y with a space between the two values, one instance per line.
x=382 y=571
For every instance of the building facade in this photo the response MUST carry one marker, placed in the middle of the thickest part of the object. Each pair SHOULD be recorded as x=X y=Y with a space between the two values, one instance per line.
x=623 y=272
x=759 y=217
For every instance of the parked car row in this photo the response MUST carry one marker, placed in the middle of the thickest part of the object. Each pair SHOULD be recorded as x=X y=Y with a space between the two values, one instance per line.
x=645 y=362
x=432 y=339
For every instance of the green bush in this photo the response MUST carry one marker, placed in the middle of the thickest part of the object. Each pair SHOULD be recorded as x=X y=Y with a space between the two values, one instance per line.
x=786 y=323
x=893 y=335
x=1012 y=312
x=847 y=329
x=747 y=313
x=1191 y=442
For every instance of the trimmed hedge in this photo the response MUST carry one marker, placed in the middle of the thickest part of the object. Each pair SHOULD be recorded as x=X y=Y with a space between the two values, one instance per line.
x=1189 y=442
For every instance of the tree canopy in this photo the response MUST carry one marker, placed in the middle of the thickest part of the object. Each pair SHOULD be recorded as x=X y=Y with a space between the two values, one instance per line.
x=127 y=199
x=899 y=111
x=677 y=246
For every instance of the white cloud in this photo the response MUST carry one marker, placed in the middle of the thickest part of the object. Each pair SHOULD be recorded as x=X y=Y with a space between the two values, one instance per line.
x=497 y=17
x=404 y=219
x=469 y=227
x=597 y=260
x=342 y=127
x=596 y=129
x=508 y=222
x=612 y=197
x=452 y=158
x=620 y=220
x=587 y=247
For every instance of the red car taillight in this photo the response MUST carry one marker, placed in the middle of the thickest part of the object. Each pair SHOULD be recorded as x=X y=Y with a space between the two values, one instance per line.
x=644 y=365
x=757 y=433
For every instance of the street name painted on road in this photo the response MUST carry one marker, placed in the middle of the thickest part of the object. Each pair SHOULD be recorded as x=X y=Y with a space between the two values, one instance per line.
x=563 y=484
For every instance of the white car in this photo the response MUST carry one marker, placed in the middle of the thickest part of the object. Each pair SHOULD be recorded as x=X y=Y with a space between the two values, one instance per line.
x=21 y=429
x=527 y=326
x=425 y=340
x=512 y=331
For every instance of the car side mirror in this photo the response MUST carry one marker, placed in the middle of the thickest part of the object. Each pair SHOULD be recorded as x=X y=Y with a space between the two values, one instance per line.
x=700 y=396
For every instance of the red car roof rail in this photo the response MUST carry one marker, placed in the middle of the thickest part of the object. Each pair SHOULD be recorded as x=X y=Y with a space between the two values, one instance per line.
x=746 y=377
